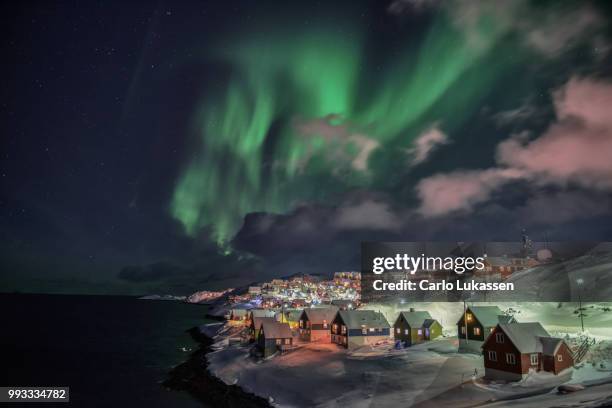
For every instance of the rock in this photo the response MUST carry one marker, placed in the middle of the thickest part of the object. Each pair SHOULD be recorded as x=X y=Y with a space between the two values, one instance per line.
x=567 y=388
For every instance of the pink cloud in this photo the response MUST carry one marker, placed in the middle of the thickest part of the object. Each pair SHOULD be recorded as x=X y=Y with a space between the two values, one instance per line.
x=577 y=149
x=426 y=143
x=460 y=190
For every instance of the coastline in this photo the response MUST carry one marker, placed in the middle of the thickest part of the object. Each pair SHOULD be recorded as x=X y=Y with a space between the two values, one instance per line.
x=193 y=377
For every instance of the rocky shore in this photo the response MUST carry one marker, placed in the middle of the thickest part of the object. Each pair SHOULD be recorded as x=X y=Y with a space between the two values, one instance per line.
x=193 y=377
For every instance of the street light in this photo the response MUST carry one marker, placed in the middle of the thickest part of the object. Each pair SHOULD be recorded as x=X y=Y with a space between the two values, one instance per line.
x=580 y=281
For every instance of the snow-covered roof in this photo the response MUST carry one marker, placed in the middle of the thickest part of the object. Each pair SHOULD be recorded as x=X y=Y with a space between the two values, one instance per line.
x=262 y=313
x=550 y=345
x=258 y=321
x=275 y=330
x=489 y=316
x=354 y=319
x=415 y=318
x=317 y=315
x=525 y=336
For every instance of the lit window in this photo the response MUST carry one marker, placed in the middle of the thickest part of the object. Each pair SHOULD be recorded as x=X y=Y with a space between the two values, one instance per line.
x=476 y=331
x=492 y=355
x=406 y=331
x=343 y=329
x=420 y=332
x=287 y=341
x=534 y=359
x=463 y=330
x=278 y=342
x=469 y=317
x=335 y=328
x=398 y=330
x=499 y=337
x=559 y=357
x=371 y=330
x=510 y=358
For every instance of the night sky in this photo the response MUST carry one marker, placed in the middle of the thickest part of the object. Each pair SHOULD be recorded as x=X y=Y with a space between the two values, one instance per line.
x=160 y=147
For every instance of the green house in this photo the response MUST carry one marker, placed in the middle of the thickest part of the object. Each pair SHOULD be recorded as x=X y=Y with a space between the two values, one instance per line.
x=414 y=327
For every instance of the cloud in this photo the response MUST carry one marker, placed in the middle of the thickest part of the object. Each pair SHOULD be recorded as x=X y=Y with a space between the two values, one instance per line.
x=574 y=150
x=564 y=206
x=546 y=30
x=368 y=214
x=426 y=144
x=557 y=31
x=338 y=137
x=577 y=148
x=460 y=190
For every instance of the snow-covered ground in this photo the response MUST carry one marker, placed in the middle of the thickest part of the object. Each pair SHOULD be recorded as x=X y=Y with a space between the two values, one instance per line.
x=431 y=374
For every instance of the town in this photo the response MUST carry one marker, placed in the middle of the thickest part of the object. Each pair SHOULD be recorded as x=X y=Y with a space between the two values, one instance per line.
x=310 y=330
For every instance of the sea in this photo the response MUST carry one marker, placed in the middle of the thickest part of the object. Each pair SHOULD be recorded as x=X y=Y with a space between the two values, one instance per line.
x=112 y=351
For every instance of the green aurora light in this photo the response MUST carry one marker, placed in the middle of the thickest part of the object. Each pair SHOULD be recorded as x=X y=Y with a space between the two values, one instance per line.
x=252 y=158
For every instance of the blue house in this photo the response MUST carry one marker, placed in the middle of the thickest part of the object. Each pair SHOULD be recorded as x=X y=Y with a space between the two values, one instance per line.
x=355 y=328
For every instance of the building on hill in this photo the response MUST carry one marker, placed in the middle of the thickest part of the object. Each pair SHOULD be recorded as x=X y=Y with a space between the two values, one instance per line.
x=315 y=323
x=255 y=326
x=289 y=316
x=261 y=313
x=344 y=304
x=354 y=328
x=475 y=325
x=239 y=314
x=513 y=350
x=274 y=336
x=414 y=327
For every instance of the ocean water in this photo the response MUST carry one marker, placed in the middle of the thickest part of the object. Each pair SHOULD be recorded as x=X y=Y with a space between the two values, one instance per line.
x=110 y=350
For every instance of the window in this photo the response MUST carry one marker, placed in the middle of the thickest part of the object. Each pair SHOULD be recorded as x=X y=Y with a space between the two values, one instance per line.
x=325 y=324
x=364 y=330
x=492 y=355
x=343 y=329
x=499 y=337
x=463 y=330
x=420 y=332
x=398 y=330
x=476 y=331
x=406 y=331
x=559 y=357
x=335 y=328
x=278 y=342
x=510 y=358
x=469 y=317
x=371 y=330
x=534 y=359
x=287 y=341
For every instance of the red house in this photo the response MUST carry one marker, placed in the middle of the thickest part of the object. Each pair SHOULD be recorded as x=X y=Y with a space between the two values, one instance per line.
x=512 y=350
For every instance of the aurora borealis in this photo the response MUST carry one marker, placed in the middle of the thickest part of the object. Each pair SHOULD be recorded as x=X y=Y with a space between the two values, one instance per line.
x=170 y=147
x=248 y=131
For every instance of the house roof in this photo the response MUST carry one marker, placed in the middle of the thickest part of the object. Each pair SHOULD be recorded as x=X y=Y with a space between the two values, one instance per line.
x=262 y=313
x=239 y=312
x=354 y=319
x=317 y=315
x=525 y=336
x=275 y=330
x=488 y=316
x=428 y=322
x=550 y=345
x=415 y=318
x=293 y=314
x=258 y=321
